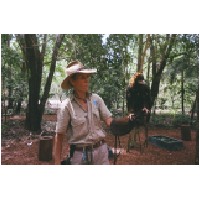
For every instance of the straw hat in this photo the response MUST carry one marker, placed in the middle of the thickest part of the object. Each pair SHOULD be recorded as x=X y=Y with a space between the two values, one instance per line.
x=73 y=68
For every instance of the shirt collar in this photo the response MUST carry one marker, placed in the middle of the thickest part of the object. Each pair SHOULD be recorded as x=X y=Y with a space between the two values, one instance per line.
x=72 y=96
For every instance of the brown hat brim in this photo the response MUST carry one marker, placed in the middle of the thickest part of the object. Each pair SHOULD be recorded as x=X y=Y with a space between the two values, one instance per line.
x=66 y=84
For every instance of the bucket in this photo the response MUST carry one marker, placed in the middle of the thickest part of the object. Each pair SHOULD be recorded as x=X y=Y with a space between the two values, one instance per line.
x=186 y=132
x=45 y=148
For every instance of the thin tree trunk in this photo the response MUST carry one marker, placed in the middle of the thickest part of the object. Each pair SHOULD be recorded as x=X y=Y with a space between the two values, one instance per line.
x=148 y=72
x=140 y=52
x=10 y=89
x=182 y=93
x=193 y=107
x=4 y=99
x=147 y=44
x=153 y=60
x=197 y=129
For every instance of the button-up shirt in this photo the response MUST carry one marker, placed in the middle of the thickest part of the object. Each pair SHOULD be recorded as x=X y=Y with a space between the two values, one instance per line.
x=82 y=126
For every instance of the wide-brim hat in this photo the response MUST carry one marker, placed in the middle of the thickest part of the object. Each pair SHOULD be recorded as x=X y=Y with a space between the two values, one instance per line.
x=74 y=68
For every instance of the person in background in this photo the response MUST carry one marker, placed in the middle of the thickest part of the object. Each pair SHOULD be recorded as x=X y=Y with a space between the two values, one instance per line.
x=80 y=116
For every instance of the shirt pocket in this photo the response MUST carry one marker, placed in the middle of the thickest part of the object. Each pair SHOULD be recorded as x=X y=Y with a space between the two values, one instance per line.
x=75 y=122
x=78 y=127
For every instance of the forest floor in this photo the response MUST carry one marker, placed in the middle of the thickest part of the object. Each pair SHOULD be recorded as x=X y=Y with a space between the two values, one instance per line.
x=16 y=149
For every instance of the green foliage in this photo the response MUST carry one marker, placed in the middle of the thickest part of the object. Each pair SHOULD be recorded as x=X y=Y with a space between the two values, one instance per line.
x=14 y=82
x=116 y=60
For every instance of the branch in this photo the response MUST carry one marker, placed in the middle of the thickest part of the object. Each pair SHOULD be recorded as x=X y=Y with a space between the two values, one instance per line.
x=147 y=44
x=22 y=44
x=167 y=50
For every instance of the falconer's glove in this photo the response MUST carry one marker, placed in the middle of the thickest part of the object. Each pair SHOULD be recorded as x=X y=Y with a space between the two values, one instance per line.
x=122 y=126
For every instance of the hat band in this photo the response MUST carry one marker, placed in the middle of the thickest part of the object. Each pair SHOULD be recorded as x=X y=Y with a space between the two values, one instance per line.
x=79 y=69
x=74 y=69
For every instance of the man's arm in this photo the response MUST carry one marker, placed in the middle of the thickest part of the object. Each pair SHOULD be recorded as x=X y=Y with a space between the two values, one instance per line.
x=58 y=147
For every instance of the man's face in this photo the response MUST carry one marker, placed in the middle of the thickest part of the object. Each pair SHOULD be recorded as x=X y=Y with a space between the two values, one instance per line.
x=81 y=83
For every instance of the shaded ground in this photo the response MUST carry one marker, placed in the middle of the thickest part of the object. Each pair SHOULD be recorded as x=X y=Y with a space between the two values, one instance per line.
x=16 y=149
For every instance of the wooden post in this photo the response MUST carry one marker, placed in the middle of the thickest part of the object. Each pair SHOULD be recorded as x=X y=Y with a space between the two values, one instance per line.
x=186 y=132
x=45 y=148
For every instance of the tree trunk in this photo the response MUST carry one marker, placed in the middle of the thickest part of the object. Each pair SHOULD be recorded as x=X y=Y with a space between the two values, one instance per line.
x=18 y=106
x=197 y=129
x=142 y=51
x=193 y=109
x=10 y=88
x=148 y=72
x=34 y=63
x=153 y=60
x=156 y=73
x=140 y=68
x=4 y=97
x=182 y=93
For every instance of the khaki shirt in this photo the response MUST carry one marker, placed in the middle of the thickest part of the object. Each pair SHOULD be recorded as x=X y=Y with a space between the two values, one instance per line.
x=82 y=126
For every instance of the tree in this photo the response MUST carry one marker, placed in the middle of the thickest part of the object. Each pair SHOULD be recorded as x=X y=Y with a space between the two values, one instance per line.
x=13 y=74
x=158 y=66
x=34 y=59
x=159 y=56
x=185 y=63
x=116 y=71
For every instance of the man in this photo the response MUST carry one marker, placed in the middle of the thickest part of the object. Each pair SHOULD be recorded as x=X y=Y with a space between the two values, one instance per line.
x=80 y=117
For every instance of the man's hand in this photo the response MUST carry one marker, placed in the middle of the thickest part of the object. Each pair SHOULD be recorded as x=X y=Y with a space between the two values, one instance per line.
x=108 y=121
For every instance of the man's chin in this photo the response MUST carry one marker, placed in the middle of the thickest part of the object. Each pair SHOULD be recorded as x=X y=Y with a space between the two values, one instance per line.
x=85 y=90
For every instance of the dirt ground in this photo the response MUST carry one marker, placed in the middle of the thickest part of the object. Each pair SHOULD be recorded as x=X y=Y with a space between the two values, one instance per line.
x=18 y=151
